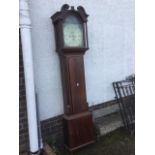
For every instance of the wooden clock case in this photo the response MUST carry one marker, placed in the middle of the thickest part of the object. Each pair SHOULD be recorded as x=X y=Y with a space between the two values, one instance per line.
x=78 y=125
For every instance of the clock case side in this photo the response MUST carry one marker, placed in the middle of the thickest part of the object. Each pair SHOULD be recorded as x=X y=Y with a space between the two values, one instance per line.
x=58 y=20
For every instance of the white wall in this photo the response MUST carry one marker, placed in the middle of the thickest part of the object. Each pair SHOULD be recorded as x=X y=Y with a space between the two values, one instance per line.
x=110 y=57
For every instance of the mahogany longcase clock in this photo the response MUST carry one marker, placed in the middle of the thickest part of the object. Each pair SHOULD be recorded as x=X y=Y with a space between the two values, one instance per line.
x=71 y=43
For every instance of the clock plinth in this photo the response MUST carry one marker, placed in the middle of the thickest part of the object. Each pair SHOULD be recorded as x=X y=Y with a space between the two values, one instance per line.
x=71 y=43
x=78 y=130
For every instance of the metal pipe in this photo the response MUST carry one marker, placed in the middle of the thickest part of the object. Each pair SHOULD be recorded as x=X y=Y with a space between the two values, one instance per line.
x=39 y=124
x=25 y=29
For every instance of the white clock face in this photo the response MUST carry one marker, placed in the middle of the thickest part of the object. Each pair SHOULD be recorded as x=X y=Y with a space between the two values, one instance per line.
x=73 y=32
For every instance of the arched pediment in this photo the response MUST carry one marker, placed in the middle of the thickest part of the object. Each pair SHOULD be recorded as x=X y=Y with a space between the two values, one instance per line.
x=70 y=10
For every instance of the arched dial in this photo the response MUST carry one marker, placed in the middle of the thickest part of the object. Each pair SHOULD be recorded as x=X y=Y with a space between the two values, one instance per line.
x=72 y=32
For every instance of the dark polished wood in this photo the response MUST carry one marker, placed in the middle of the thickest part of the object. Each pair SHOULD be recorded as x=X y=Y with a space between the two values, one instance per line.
x=59 y=17
x=78 y=125
x=72 y=68
x=78 y=130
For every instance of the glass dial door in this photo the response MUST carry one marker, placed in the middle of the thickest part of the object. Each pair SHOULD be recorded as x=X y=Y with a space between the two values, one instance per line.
x=73 y=32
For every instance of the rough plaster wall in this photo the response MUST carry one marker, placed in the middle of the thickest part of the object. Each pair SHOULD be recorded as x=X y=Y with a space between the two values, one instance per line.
x=110 y=57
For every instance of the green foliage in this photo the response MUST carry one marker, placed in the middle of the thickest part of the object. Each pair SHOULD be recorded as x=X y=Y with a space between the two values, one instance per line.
x=118 y=142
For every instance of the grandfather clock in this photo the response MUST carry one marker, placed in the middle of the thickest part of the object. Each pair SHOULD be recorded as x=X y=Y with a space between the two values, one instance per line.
x=71 y=43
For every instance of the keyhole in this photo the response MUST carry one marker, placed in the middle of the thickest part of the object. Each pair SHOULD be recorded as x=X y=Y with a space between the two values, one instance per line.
x=77 y=84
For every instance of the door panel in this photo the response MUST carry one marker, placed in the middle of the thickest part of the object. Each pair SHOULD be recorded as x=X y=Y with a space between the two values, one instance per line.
x=77 y=82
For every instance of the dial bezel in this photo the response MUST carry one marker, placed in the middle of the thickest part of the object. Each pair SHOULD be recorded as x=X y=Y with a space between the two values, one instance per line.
x=82 y=27
x=75 y=26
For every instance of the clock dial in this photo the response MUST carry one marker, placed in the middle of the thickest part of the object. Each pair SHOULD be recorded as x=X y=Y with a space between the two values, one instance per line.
x=73 y=32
